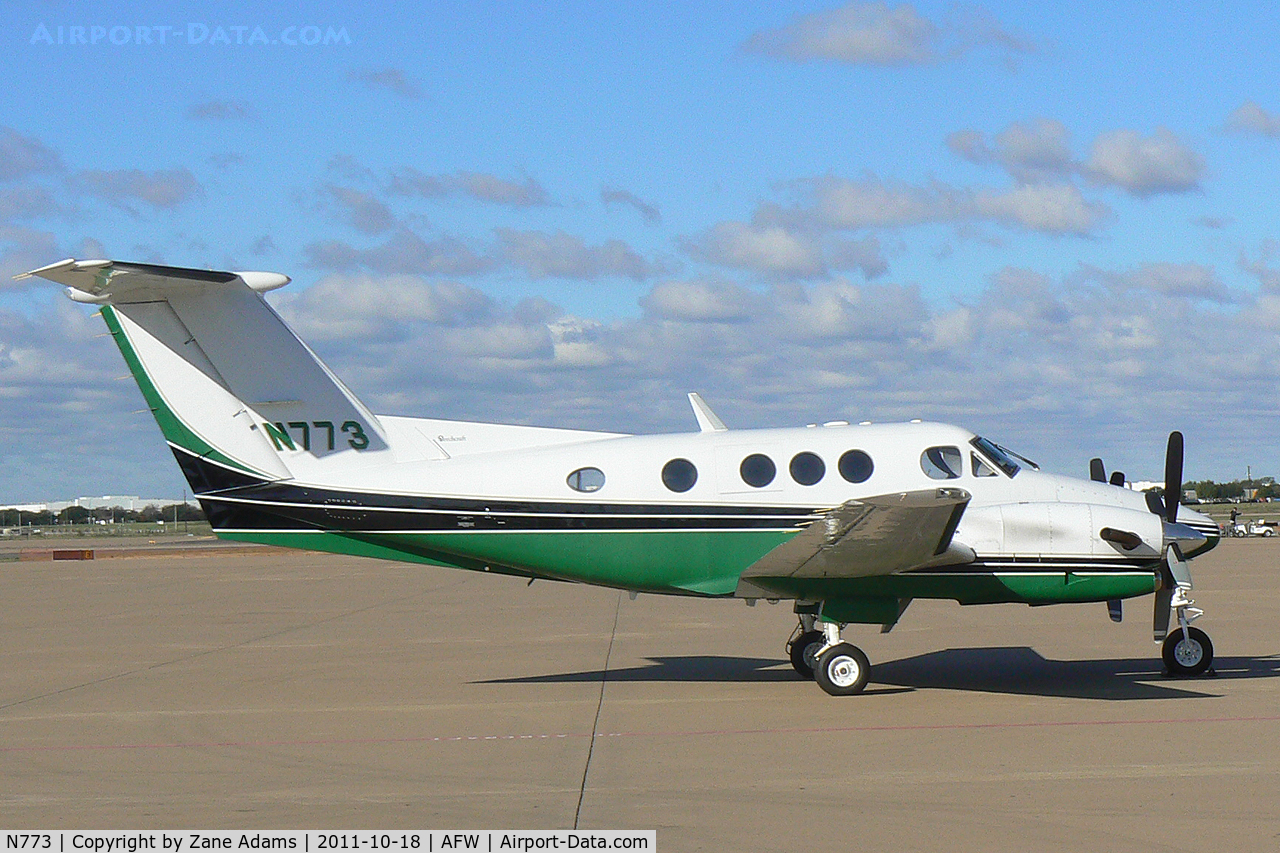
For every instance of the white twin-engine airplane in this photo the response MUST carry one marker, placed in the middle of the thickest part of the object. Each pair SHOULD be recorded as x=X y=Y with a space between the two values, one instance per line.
x=849 y=522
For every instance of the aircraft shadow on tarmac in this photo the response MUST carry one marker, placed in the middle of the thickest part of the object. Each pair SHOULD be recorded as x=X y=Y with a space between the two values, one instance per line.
x=1012 y=670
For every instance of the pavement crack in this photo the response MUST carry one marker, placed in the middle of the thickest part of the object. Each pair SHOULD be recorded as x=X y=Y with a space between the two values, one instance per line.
x=595 y=725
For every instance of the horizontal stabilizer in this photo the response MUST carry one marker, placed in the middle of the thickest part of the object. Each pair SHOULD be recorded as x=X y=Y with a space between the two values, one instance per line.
x=101 y=281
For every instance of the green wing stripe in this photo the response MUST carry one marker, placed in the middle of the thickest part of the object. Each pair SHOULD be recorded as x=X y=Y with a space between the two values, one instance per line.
x=174 y=430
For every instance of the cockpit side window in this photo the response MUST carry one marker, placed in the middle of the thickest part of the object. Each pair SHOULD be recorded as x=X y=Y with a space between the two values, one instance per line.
x=942 y=463
x=998 y=456
x=980 y=466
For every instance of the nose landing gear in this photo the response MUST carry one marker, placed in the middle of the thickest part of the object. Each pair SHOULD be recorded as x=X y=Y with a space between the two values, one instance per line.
x=1187 y=652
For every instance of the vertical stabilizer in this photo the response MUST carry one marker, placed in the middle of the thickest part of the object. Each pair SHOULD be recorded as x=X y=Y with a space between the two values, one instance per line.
x=239 y=397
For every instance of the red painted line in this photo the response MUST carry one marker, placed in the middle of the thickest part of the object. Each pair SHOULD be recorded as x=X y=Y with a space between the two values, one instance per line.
x=673 y=734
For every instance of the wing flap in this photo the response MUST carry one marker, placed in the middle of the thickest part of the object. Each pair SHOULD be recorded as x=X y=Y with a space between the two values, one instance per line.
x=872 y=536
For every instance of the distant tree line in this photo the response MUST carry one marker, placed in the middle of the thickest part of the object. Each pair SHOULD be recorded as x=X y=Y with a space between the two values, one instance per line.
x=1208 y=490
x=149 y=514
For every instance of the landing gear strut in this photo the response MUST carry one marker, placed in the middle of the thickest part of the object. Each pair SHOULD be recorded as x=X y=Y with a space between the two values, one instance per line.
x=1186 y=651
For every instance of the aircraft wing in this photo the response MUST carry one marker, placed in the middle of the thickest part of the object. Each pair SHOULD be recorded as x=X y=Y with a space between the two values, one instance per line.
x=872 y=536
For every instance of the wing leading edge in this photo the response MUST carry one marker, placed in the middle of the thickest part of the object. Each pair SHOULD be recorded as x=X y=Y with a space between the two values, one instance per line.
x=873 y=536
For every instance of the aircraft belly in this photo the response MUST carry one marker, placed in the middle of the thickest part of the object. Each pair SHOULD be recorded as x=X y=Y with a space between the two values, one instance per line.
x=972 y=587
x=702 y=562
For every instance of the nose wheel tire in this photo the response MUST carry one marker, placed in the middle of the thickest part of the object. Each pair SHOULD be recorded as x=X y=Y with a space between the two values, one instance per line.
x=1187 y=652
x=842 y=670
x=803 y=651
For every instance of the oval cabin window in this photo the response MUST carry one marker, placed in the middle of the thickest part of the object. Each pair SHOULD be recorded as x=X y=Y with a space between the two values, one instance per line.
x=942 y=463
x=586 y=480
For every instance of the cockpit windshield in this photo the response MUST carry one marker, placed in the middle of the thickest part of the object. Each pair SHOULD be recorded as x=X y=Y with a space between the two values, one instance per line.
x=1000 y=457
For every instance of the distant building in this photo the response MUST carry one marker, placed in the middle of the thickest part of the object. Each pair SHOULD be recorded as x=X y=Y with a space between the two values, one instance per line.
x=124 y=502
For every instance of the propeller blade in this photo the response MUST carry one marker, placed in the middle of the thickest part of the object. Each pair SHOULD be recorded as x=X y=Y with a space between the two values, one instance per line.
x=1097 y=472
x=1117 y=478
x=1173 y=477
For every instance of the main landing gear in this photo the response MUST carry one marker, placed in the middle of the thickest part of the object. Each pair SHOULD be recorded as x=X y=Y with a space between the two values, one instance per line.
x=817 y=652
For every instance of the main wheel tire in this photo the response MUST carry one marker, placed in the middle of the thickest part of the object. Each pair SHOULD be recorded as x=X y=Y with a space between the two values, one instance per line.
x=802 y=651
x=1187 y=653
x=842 y=670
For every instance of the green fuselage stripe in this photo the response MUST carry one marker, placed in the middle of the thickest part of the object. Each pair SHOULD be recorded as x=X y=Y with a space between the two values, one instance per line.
x=702 y=563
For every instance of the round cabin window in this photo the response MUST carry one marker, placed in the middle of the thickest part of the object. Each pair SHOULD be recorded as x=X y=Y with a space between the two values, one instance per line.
x=807 y=468
x=679 y=475
x=757 y=470
x=856 y=466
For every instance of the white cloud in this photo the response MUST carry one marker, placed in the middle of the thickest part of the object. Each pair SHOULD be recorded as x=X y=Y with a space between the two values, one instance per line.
x=1148 y=166
x=1187 y=280
x=360 y=210
x=26 y=201
x=699 y=300
x=874 y=203
x=58 y=385
x=363 y=306
x=403 y=252
x=1249 y=117
x=22 y=156
x=561 y=255
x=1039 y=150
x=222 y=111
x=482 y=186
x=163 y=188
x=1260 y=267
x=649 y=212
x=862 y=33
x=391 y=80
x=858 y=33
x=767 y=249
x=1049 y=208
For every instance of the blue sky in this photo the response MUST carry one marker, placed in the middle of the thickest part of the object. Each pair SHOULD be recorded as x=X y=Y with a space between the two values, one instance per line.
x=1055 y=225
